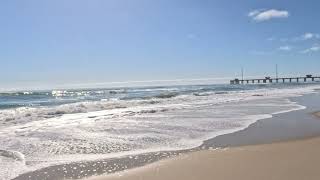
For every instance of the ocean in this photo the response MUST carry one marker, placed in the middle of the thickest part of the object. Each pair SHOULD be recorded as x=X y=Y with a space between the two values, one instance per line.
x=44 y=128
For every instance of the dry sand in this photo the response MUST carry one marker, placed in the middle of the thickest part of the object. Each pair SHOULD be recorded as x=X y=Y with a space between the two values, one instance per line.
x=292 y=160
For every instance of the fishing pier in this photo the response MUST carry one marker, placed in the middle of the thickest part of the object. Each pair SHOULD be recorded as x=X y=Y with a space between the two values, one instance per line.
x=307 y=78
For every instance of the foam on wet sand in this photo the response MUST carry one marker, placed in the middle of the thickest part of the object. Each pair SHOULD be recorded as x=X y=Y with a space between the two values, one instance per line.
x=295 y=160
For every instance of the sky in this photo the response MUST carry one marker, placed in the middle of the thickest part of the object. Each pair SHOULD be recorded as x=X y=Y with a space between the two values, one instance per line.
x=65 y=43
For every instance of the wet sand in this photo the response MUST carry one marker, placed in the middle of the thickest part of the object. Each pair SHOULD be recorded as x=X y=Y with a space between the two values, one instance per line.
x=287 y=160
x=293 y=160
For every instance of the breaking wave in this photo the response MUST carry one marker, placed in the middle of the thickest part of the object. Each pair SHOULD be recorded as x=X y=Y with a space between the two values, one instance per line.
x=101 y=123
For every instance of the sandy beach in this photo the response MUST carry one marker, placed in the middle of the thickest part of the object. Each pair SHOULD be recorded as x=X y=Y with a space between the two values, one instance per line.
x=159 y=90
x=294 y=160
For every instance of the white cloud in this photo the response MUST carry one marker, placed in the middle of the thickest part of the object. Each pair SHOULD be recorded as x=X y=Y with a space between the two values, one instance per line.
x=264 y=15
x=307 y=36
x=303 y=37
x=314 y=48
x=255 y=12
x=285 y=48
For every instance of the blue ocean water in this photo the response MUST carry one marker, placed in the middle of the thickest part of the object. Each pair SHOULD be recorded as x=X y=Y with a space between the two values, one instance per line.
x=59 y=97
x=44 y=128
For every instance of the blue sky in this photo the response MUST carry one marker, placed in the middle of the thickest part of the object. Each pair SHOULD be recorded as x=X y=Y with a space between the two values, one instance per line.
x=47 y=44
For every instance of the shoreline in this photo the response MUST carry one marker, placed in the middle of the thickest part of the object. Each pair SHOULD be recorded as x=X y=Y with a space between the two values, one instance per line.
x=293 y=159
x=256 y=133
x=316 y=114
x=301 y=148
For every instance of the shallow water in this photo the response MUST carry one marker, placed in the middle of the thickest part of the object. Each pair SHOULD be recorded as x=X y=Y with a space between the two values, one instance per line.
x=54 y=127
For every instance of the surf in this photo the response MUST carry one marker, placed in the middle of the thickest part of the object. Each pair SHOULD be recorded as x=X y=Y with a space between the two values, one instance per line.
x=15 y=155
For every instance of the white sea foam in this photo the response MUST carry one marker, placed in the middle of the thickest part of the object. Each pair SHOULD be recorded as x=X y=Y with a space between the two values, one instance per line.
x=15 y=155
x=114 y=127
